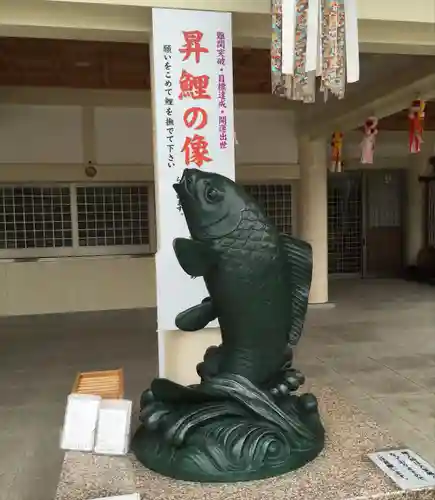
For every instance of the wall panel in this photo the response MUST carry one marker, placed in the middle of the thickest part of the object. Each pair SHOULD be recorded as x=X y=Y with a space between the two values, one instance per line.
x=44 y=142
x=40 y=134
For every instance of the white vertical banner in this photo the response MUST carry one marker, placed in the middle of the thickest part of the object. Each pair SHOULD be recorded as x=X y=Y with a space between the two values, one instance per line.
x=193 y=116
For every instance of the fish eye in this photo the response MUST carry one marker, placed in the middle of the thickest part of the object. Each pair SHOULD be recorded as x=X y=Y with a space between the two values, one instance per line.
x=212 y=194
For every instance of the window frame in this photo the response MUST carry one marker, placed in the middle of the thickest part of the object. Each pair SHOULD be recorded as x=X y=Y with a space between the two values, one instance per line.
x=81 y=251
x=274 y=182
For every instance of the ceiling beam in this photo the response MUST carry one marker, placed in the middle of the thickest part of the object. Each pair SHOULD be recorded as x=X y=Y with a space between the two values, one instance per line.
x=397 y=38
x=55 y=96
x=383 y=98
x=421 y=11
x=399 y=121
x=107 y=23
x=242 y=6
x=131 y=22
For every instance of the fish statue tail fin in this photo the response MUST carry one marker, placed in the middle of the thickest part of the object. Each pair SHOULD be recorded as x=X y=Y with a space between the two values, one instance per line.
x=299 y=257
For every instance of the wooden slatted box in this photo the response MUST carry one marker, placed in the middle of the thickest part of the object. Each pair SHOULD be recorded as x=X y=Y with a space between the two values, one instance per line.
x=108 y=384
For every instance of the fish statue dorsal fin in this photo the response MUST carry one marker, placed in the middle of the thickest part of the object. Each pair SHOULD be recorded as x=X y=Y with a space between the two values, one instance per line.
x=299 y=259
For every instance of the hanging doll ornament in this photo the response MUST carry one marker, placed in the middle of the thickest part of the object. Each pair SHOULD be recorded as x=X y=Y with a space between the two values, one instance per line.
x=369 y=140
x=336 y=152
x=416 y=121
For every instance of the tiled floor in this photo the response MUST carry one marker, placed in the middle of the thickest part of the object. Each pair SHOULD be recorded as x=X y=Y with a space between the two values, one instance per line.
x=39 y=359
x=377 y=347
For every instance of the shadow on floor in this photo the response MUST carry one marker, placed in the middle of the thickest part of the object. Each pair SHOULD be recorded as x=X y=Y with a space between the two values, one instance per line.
x=39 y=360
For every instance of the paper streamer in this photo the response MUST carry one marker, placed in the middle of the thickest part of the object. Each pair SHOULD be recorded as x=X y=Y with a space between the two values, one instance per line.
x=314 y=38
x=288 y=36
x=352 y=43
x=319 y=65
x=313 y=31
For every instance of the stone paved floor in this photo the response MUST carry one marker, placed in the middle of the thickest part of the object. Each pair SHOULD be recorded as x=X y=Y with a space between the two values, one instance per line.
x=377 y=347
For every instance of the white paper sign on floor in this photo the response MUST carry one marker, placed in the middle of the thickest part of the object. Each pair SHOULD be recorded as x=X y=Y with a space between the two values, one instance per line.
x=113 y=429
x=407 y=469
x=80 y=423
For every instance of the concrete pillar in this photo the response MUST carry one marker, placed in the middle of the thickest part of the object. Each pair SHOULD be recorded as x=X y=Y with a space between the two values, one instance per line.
x=313 y=211
x=414 y=216
x=184 y=350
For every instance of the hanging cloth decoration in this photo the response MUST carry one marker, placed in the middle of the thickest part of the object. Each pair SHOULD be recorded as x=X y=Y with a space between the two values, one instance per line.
x=416 y=123
x=336 y=152
x=313 y=38
x=369 y=140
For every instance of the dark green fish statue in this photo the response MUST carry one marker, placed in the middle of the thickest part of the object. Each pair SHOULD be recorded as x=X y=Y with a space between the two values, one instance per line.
x=244 y=420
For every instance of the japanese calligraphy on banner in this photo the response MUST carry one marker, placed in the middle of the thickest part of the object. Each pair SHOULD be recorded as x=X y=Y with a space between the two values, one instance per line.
x=193 y=128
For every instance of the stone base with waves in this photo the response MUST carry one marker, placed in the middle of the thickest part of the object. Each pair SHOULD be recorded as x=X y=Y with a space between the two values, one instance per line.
x=225 y=430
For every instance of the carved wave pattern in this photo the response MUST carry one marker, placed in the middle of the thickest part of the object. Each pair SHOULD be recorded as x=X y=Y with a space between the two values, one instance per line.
x=245 y=435
x=236 y=446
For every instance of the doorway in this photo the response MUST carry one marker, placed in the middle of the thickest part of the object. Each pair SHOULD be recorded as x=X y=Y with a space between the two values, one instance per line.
x=383 y=239
x=365 y=223
x=345 y=223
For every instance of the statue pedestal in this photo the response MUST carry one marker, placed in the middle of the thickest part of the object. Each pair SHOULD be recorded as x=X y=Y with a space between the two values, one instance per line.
x=341 y=472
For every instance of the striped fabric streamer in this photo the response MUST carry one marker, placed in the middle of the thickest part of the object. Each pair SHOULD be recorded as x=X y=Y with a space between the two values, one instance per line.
x=314 y=38
x=278 y=87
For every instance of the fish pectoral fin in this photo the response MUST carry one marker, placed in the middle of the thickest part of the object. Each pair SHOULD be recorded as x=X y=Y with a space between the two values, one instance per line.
x=197 y=317
x=193 y=256
x=299 y=257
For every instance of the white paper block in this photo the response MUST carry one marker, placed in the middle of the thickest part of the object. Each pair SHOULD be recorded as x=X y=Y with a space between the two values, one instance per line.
x=113 y=429
x=81 y=416
x=133 y=496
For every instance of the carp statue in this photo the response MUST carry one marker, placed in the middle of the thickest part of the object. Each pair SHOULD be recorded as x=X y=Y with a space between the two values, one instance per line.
x=244 y=420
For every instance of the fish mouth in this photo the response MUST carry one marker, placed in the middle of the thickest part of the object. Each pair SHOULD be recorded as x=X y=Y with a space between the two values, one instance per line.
x=185 y=185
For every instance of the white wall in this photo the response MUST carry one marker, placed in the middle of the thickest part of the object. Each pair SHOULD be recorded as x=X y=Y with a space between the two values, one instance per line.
x=76 y=284
x=123 y=136
x=61 y=135
x=40 y=134
x=54 y=142
x=265 y=137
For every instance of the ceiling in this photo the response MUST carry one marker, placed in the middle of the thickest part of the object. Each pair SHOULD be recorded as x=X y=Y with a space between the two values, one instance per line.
x=112 y=65
x=107 y=65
